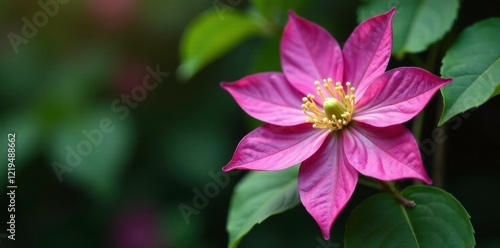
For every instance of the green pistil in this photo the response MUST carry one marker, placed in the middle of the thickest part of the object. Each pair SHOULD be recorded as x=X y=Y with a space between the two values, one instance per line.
x=333 y=108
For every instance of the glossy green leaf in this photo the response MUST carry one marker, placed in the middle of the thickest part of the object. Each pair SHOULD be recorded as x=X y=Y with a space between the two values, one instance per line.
x=437 y=220
x=211 y=35
x=416 y=24
x=258 y=196
x=473 y=62
x=92 y=151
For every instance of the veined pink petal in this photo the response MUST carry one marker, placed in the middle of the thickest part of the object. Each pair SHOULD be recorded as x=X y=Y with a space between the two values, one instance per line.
x=388 y=153
x=367 y=51
x=397 y=96
x=309 y=53
x=272 y=147
x=269 y=98
x=326 y=183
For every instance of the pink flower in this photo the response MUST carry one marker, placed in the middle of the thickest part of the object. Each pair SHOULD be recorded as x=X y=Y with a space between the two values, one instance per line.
x=336 y=111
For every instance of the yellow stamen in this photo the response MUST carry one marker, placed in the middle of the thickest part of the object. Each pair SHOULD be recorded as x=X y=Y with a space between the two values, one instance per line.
x=338 y=106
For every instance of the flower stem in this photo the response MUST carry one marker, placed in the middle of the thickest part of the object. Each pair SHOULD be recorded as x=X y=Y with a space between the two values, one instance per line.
x=372 y=183
x=416 y=129
x=418 y=124
x=439 y=159
x=390 y=187
x=416 y=60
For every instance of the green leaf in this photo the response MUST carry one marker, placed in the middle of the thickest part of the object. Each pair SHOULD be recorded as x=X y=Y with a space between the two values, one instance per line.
x=438 y=220
x=258 y=196
x=91 y=152
x=211 y=35
x=277 y=11
x=267 y=57
x=473 y=62
x=416 y=24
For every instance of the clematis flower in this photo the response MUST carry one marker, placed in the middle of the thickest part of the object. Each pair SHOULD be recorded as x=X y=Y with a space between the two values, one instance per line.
x=336 y=111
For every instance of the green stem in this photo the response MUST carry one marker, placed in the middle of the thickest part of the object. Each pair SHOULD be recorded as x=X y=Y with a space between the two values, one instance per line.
x=418 y=125
x=439 y=160
x=430 y=64
x=417 y=128
x=372 y=183
x=416 y=60
x=390 y=187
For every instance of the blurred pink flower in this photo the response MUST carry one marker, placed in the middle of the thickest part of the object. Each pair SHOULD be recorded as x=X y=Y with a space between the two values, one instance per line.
x=137 y=227
x=112 y=13
x=350 y=119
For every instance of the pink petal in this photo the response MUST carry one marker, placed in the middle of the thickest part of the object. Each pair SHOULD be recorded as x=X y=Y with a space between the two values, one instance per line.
x=367 y=51
x=397 y=96
x=272 y=147
x=326 y=183
x=309 y=53
x=388 y=153
x=269 y=98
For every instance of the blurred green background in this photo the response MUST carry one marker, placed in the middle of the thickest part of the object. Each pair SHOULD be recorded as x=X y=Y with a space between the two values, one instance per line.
x=110 y=142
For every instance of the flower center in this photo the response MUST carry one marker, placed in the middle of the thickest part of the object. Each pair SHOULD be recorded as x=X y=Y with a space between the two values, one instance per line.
x=338 y=106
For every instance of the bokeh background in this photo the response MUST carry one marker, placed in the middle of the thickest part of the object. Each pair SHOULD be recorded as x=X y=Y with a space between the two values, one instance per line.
x=158 y=147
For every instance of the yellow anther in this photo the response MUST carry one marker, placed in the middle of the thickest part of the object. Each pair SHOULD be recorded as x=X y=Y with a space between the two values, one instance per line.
x=337 y=109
